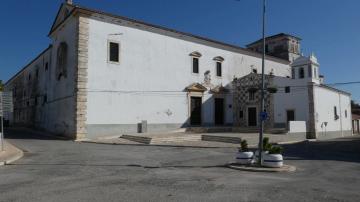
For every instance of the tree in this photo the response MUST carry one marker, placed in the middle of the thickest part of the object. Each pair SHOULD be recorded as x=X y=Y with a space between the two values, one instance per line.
x=1 y=86
x=355 y=107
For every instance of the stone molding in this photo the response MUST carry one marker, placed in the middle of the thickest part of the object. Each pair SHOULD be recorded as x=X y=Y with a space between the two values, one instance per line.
x=81 y=77
x=311 y=124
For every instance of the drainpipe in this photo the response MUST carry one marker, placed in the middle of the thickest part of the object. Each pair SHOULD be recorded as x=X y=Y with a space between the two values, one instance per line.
x=341 y=128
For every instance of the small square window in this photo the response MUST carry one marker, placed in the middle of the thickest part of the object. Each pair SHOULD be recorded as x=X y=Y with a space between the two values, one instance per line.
x=195 y=65
x=287 y=89
x=114 y=51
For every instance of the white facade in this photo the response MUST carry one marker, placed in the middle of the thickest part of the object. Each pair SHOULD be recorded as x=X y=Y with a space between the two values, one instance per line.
x=326 y=110
x=87 y=95
x=149 y=81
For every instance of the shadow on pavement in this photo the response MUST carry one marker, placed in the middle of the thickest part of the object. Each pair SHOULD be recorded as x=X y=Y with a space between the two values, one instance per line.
x=341 y=149
x=27 y=133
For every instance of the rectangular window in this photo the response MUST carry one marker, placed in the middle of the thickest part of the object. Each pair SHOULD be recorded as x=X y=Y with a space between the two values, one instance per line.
x=241 y=114
x=287 y=89
x=37 y=73
x=251 y=95
x=218 y=69
x=292 y=73
x=114 y=50
x=309 y=71
x=345 y=113
x=336 y=117
x=195 y=65
x=301 y=73
x=315 y=72
x=46 y=66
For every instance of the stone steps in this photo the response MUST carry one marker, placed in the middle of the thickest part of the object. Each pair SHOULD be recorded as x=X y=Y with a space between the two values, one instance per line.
x=160 y=140
x=176 y=139
x=209 y=129
x=214 y=138
x=134 y=138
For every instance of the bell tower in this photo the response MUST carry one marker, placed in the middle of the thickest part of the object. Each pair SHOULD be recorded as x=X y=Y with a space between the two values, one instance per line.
x=281 y=45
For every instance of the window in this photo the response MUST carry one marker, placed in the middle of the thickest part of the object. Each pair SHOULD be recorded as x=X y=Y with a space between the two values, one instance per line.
x=37 y=73
x=29 y=77
x=315 y=72
x=44 y=100
x=241 y=114
x=36 y=101
x=345 y=113
x=292 y=73
x=254 y=71
x=287 y=89
x=218 y=69
x=61 y=61
x=251 y=95
x=114 y=52
x=46 y=66
x=336 y=117
x=309 y=71
x=195 y=62
x=301 y=73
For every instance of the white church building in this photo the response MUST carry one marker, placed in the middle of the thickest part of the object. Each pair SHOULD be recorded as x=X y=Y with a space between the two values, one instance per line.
x=105 y=74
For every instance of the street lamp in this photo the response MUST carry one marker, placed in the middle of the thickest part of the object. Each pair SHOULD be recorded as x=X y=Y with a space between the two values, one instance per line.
x=263 y=114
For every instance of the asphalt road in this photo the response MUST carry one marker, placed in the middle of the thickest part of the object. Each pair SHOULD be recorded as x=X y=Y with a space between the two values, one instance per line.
x=58 y=170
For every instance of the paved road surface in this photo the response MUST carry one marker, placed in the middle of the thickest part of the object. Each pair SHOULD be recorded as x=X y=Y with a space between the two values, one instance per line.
x=57 y=170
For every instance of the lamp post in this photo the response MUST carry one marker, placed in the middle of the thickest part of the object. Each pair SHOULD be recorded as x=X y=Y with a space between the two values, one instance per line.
x=262 y=117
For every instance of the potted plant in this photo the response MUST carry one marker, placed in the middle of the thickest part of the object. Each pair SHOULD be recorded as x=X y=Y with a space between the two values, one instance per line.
x=244 y=156
x=273 y=158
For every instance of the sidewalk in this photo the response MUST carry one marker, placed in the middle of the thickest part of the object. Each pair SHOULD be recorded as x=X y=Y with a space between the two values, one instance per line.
x=201 y=140
x=10 y=154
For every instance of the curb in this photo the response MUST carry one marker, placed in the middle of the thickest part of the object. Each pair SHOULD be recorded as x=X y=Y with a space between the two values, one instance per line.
x=155 y=145
x=285 y=168
x=14 y=157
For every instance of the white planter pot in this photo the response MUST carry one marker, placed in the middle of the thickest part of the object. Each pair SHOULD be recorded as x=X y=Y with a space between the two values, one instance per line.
x=256 y=156
x=273 y=160
x=244 y=158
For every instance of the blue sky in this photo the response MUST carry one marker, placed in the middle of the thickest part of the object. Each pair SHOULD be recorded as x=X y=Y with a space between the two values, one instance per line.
x=329 y=28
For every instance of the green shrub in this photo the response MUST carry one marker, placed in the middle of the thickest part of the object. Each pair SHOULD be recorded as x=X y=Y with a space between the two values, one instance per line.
x=276 y=150
x=243 y=146
x=266 y=144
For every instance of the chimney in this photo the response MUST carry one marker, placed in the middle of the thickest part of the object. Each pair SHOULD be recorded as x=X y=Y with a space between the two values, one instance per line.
x=69 y=2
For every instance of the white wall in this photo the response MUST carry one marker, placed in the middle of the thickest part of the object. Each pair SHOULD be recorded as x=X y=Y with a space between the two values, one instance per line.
x=297 y=127
x=325 y=100
x=296 y=100
x=58 y=113
x=155 y=62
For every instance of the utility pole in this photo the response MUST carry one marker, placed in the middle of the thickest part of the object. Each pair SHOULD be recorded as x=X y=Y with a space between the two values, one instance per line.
x=262 y=87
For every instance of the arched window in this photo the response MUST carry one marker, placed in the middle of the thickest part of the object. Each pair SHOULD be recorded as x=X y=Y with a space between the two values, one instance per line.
x=61 y=61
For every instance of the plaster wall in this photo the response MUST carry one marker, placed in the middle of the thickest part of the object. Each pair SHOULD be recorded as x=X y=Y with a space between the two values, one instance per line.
x=155 y=67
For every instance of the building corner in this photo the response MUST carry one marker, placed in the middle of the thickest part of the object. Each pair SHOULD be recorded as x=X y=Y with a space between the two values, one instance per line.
x=81 y=77
x=311 y=134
